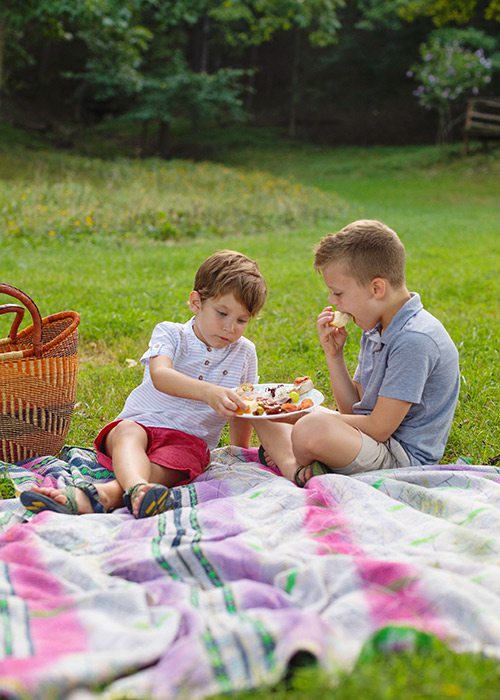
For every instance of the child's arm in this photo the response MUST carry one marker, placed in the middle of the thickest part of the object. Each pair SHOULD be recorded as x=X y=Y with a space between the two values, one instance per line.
x=168 y=380
x=380 y=424
x=345 y=390
x=240 y=430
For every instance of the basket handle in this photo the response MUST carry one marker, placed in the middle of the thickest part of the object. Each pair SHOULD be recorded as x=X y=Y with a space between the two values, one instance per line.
x=32 y=308
x=19 y=311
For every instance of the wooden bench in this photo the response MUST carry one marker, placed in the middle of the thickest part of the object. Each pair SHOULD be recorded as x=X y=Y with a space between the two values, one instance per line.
x=482 y=120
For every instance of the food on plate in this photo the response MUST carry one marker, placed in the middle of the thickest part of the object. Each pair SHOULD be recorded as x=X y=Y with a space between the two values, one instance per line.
x=244 y=388
x=303 y=384
x=340 y=319
x=252 y=406
x=272 y=399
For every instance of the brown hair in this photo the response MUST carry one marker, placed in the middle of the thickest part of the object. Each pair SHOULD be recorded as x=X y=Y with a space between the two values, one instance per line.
x=368 y=248
x=228 y=271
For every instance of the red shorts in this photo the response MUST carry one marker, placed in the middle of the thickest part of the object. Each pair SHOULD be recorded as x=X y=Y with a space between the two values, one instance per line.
x=169 y=448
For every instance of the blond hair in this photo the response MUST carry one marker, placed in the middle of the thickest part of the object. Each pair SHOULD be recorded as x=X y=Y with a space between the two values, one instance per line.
x=368 y=249
x=228 y=271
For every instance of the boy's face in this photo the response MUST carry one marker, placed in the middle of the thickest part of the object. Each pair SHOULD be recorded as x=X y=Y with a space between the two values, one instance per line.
x=351 y=297
x=219 y=320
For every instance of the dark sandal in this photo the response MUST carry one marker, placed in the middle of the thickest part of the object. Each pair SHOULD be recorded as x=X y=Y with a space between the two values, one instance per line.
x=157 y=500
x=317 y=469
x=37 y=502
x=262 y=456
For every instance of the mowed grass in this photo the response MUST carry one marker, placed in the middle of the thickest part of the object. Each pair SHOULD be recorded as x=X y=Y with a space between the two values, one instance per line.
x=144 y=227
x=74 y=234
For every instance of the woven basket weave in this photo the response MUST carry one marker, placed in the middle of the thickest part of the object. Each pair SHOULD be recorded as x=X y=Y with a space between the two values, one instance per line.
x=38 y=374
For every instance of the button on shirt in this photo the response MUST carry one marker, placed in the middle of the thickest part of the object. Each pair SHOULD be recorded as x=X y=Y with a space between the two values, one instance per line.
x=230 y=366
x=414 y=360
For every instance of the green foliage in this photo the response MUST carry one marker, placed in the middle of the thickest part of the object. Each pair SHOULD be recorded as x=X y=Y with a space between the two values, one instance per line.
x=107 y=28
x=255 y=21
x=444 y=12
x=7 y=486
x=46 y=197
x=177 y=91
x=376 y=14
x=113 y=66
x=433 y=673
x=448 y=70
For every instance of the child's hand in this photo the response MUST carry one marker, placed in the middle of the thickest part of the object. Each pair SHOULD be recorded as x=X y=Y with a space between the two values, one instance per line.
x=332 y=339
x=224 y=401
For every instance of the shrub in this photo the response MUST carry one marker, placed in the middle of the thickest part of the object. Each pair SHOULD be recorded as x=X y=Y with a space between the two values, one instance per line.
x=447 y=71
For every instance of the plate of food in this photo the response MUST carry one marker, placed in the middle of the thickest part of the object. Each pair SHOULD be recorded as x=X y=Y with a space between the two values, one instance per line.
x=278 y=399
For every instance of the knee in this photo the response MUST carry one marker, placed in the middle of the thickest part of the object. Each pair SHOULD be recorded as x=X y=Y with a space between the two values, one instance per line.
x=124 y=431
x=310 y=431
x=313 y=431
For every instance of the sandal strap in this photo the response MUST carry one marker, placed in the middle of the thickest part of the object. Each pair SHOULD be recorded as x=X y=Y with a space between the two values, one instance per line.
x=317 y=468
x=131 y=494
x=71 y=504
x=93 y=495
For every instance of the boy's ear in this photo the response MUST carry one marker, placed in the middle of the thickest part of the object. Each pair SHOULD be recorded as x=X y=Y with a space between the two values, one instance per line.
x=194 y=302
x=379 y=287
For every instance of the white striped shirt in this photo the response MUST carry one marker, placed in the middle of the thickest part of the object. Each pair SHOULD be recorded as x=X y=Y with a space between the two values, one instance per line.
x=230 y=366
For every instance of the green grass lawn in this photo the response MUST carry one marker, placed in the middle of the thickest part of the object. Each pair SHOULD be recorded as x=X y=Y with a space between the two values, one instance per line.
x=119 y=241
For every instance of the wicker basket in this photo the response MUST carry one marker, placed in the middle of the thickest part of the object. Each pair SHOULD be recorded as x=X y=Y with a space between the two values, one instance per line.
x=38 y=373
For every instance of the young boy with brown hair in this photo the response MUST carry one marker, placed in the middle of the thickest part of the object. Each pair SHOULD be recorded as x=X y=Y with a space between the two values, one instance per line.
x=171 y=421
x=398 y=408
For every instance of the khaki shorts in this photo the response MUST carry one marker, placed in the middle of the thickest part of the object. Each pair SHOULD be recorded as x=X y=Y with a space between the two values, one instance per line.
x=376 y=455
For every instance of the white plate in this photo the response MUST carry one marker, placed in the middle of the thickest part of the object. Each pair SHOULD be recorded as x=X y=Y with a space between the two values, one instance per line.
x=316 y=397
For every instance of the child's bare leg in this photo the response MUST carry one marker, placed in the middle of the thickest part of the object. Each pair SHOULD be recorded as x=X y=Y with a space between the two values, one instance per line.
x=323 y=436
x=110 y=495
x=275 y=437
x=126 y=444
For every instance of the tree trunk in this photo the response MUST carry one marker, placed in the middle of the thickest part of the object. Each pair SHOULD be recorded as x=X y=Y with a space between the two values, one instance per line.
x=3 y=36
x=250 y=92
x=292 y=121
x=143 y=139
x=444 y=123
x=205 y=32
x=163 y=139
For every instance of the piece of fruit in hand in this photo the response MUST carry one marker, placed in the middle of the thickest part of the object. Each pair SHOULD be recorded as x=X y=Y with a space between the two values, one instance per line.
x=340 y=319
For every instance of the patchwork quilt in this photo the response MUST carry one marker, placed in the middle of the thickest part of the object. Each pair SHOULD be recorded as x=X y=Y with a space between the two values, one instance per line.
x=246 y=572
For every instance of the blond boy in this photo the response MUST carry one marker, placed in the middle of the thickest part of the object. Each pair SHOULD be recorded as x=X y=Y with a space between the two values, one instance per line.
x=398 y=408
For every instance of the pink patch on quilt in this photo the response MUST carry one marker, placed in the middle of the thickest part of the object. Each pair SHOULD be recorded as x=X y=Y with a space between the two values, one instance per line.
x=54 y=628
x=325 y=522
x=391 y=588
x=393 y=594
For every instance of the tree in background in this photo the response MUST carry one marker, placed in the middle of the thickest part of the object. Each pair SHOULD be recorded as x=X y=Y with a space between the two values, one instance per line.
x=453 y=64
x=176 y=92
x=14 y=17
x=443 y=12
x=254 y=22
x=193 y=62
x=105 y=32
x=179 y=81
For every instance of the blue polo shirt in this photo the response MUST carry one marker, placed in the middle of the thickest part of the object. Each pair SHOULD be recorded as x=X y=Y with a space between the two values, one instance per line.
x=414 y=360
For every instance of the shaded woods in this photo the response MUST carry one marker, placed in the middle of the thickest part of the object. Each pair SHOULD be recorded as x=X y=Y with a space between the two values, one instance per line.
x=326 y=70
